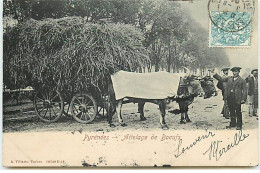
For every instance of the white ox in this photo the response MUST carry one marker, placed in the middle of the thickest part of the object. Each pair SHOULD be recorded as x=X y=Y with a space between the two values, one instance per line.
x=155 y=87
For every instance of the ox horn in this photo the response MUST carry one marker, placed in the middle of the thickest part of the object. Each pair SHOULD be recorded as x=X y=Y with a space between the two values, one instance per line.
x=187 y=71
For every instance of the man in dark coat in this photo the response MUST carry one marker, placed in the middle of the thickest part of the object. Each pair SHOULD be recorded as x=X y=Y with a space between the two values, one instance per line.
x=252 y=81
x=222 y=86
x=235 y=94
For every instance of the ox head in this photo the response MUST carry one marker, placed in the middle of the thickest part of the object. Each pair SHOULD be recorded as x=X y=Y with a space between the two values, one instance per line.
x=193 y=84
x=208 y=87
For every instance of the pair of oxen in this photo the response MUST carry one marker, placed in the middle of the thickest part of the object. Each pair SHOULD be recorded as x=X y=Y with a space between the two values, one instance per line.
x=189 y=87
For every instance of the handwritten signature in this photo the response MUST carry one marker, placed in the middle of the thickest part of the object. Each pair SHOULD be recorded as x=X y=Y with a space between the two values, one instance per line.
x=200 y=138
x=215 y=152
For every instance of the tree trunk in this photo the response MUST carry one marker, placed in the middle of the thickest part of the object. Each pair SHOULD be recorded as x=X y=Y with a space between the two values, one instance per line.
x=157 y=66
x=169 y=61
x=175 y=59
x=140 y=69
x=149 y=68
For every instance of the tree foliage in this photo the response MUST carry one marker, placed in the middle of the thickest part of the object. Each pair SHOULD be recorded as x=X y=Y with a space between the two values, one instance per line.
x=170 y=36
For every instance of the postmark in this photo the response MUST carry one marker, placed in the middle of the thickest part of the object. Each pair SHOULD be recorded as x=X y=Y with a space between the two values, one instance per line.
x=230 y=22
x=233 y=15
x=224 y=38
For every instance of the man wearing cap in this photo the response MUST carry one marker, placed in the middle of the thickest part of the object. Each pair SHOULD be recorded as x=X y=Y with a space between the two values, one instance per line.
x=252 y=81
x=235 y=94
x=222 y=86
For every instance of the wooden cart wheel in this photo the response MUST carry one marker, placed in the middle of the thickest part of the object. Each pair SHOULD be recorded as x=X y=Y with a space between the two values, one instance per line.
x=83 y=108
x=48 y=105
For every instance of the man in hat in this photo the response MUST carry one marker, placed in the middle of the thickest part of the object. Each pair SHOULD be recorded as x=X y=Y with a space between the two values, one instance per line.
x=222 y=86
x=235 y=94
x=252 y=81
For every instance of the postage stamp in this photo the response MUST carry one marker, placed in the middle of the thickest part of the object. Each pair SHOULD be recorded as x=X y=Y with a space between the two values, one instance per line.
x=230 y=29
x=230 y=23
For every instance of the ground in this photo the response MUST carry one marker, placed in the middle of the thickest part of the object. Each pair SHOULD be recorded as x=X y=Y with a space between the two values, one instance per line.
x=204 y=114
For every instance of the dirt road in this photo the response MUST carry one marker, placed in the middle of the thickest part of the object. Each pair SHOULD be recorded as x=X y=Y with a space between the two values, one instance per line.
x=204 y=114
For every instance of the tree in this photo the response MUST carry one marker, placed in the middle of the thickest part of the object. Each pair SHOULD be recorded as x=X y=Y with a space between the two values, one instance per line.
x=172 y=37
x=42 y=9
x=18 y=9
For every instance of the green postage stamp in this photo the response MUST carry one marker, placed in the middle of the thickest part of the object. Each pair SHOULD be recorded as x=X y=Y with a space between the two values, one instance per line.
x=230 y=23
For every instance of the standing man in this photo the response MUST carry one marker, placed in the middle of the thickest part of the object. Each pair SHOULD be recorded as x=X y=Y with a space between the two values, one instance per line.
x=252 y=81
x=222 y=86
x=235 y=94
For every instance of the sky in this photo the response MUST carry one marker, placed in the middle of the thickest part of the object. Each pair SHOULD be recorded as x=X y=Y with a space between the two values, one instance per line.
x=243 y=57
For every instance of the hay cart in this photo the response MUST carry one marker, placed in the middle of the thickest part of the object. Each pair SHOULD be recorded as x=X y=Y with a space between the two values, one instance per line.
x=50 y=104
x=71 y=53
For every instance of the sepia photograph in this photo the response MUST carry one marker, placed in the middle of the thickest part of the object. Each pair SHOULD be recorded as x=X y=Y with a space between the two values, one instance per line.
x=130 y=83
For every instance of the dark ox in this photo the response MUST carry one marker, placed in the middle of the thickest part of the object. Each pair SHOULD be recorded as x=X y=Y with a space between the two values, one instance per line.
x=208 y=87
x=209 y=90
x=189 y=87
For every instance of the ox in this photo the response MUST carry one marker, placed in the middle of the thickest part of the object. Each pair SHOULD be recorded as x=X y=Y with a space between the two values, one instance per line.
x=185 y=88
x=208 y=87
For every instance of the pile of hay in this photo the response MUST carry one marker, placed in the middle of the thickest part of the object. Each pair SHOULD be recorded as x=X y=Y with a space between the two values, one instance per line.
x=69 y=53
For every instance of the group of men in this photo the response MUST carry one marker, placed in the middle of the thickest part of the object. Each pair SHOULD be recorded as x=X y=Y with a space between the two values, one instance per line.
x=235 y=90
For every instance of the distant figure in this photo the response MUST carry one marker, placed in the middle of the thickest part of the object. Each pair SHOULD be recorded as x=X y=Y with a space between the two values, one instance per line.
x=222 y=86
x=252 y=81
x=235 y=94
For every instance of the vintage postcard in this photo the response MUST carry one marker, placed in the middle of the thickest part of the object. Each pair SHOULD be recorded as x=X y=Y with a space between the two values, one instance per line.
x=130 y=83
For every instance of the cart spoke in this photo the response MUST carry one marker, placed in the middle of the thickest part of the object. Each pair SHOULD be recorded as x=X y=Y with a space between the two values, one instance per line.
x=46 y=95
x=75 y=108
x=80 y=113
x=89 y=115
x=39 y=111
x=37 y=99
x=57 y=111
x=83 y=100
x=54 y=112
x=78 y=101
x=75 y=103
x=84 y=115
x=54 y=97
x=86 y=99
x=57 y=102
x=43 y=96
x=39 y=96
x=88 y=103
x=91 y=109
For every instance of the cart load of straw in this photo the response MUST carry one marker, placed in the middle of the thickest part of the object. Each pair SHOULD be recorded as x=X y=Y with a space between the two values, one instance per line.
x=69 y=53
